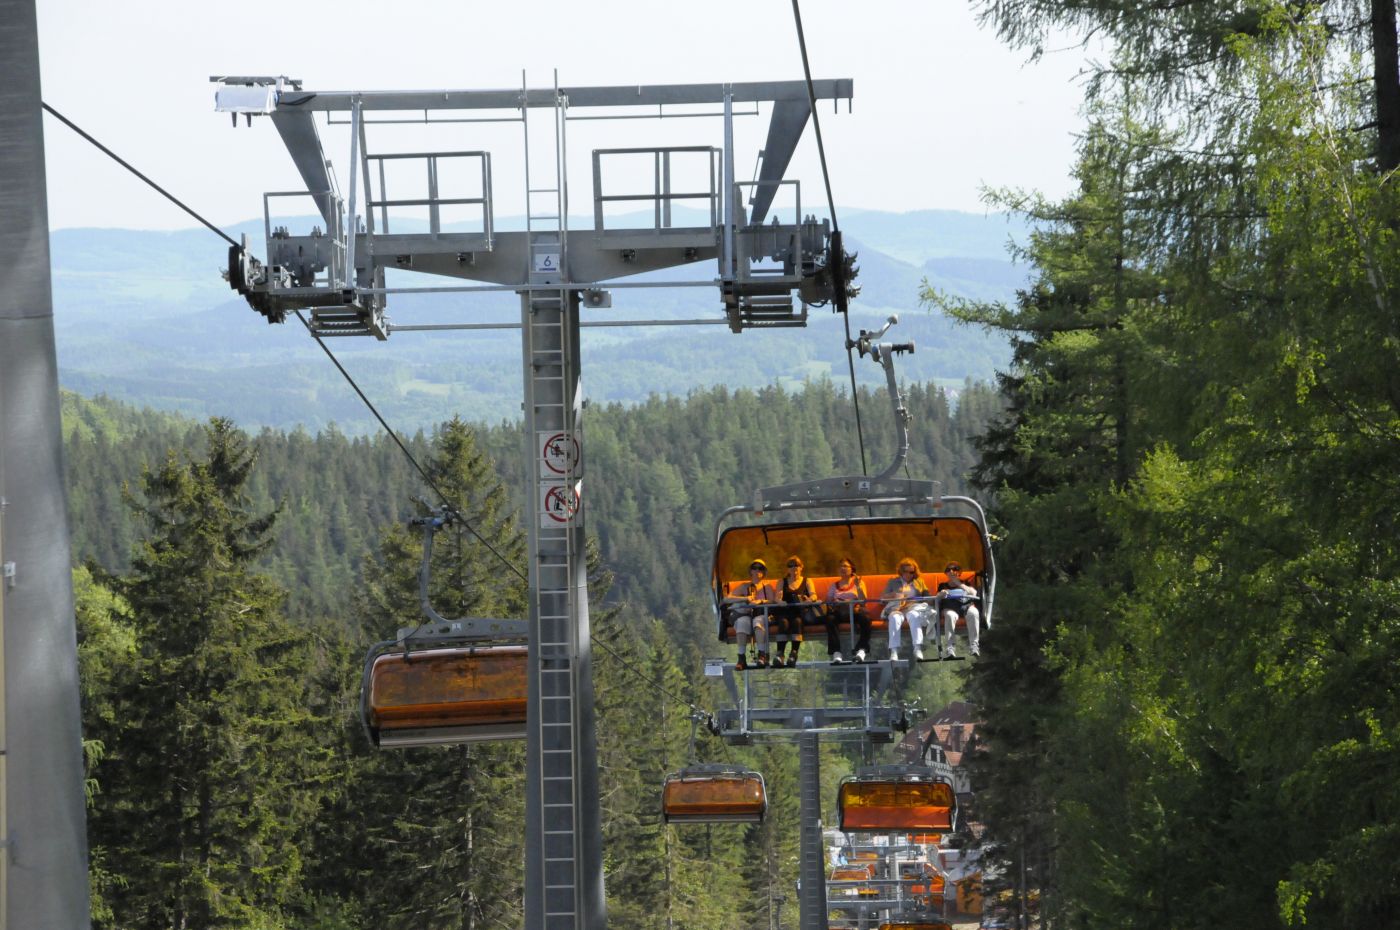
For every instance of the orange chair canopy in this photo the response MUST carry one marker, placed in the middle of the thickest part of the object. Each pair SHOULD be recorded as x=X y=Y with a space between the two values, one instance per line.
x=448 y=695
x=874 y=545
x=714 y=794
x=896 y=804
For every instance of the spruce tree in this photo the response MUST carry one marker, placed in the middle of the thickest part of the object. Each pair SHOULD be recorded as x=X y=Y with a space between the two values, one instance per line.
x=430 y=837
x=209 y=778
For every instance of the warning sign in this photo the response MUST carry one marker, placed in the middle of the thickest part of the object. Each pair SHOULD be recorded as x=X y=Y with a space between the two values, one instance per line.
x=559 y=503
x=559 y=453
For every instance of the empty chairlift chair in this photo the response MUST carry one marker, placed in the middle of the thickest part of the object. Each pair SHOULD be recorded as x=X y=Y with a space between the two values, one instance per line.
x=714 y=794
x=896 y=799
x=446 y=680
x=453 y=695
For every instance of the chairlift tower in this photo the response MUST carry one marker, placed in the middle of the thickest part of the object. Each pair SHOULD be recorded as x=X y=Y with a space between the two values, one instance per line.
x=337 y=274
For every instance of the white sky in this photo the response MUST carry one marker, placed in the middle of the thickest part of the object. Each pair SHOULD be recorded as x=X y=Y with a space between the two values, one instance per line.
x=941 y=108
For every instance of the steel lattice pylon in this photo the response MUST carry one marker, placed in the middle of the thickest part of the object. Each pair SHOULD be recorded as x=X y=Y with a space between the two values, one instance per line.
x=338 y=273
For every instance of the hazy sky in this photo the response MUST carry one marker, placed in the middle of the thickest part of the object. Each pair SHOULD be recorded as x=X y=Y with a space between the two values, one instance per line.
x=940 y=107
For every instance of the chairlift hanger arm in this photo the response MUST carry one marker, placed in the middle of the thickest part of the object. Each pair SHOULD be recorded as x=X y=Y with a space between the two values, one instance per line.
x=463 y=628
x=883 y=354
x=849 y=490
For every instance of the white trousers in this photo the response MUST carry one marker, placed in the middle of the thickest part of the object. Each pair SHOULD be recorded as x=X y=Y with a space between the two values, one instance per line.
x=974 y=627
x=919 y=616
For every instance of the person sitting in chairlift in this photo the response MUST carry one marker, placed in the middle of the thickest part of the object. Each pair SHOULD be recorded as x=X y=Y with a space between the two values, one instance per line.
x=955 y=599
x=749 y=619
x=846 y=601
x=901 y=606
x=790 y=619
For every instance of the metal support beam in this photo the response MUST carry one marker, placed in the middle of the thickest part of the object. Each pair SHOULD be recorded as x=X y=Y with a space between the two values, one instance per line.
x=812 y=867
x=298 y=132
x=789 y=119
x=43 y=860
x=563 y=867
x=635 y=95
x=563 y=823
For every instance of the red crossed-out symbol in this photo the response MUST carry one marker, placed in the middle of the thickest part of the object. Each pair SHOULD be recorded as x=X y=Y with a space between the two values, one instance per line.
x=560 y=504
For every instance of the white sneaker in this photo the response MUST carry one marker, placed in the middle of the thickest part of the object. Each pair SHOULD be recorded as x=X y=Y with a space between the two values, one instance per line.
x=919 y=654
x=951 y=653
x=976 y=651
x=836 y=659
x=894 y=655
x=860 y=655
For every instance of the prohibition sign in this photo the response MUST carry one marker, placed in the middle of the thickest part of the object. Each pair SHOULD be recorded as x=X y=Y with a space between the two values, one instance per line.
x=559 y=505
x=559 y=453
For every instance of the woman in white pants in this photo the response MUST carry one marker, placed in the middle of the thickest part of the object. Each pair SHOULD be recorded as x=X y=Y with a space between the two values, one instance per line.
x=901 y=608
x=955 y=600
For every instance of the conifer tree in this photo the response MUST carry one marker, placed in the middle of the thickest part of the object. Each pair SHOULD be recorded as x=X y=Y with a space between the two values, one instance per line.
x=431 y=837
x=210 y=775
x=1187 y=490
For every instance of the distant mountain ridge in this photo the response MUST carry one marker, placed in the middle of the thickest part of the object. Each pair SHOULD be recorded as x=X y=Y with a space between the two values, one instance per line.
x=144 y=317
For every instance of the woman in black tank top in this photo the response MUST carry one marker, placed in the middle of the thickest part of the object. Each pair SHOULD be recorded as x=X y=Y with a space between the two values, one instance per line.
x=789 y=619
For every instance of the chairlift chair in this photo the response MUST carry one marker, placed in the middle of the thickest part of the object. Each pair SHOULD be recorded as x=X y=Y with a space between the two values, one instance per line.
x=931 y=528
x=445 y=681
x=714 y=793
x=896 y=798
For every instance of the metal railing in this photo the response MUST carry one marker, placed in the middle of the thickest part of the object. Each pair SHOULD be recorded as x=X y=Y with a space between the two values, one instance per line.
x=661 y=196
x=434 y=201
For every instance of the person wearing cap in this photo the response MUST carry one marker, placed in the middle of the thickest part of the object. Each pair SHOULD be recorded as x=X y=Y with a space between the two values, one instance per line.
x=955 y=599
x=905 y=602
x=749 y=619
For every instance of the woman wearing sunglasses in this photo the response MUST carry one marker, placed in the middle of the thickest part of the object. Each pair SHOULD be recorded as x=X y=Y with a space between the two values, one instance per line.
x=901 y=607
x=796 y=591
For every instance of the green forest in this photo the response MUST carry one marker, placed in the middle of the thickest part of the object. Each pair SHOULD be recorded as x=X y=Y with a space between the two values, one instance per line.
x=230 y=585
x=1190 y=709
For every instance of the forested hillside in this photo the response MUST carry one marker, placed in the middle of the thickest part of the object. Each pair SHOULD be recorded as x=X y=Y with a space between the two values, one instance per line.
x=233 y=583
x=1192 y=698
x=657 y=476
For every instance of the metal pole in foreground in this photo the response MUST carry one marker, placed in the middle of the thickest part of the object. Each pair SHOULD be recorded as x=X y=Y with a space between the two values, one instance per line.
x=813 y=851
x=44 y=873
